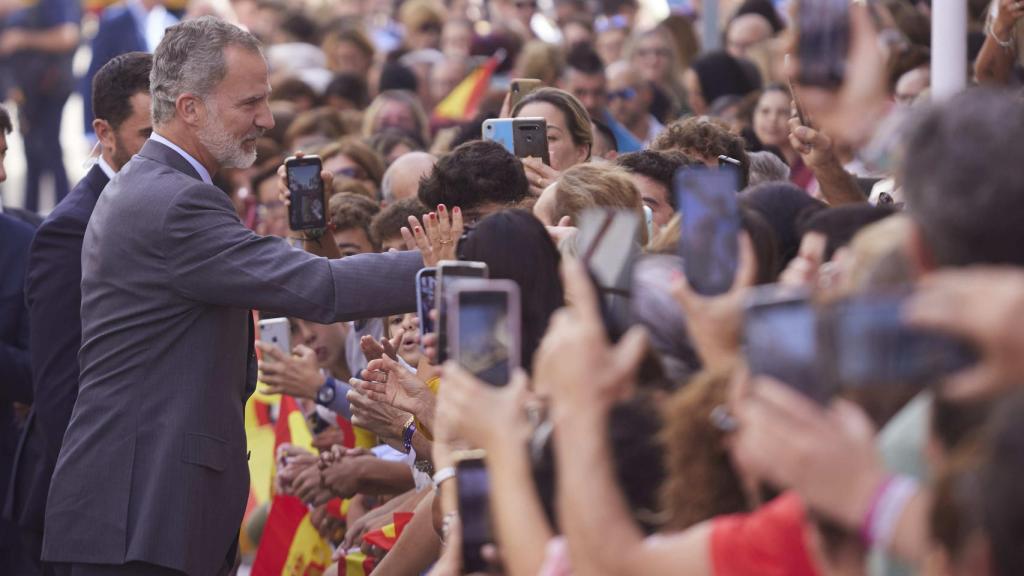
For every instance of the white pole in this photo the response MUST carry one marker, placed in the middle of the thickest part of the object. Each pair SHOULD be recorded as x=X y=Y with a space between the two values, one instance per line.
x=710 y=36
x=949 y=48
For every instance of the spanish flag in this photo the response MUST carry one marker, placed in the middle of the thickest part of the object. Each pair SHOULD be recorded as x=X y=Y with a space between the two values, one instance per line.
x=291 y=427
x=290 y=543
x=356 y=563
x=461 y=103
x=338 y=508
x=387 y=536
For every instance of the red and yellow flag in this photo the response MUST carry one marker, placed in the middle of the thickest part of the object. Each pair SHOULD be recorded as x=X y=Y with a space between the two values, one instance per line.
x=290 y=544
x=462 y=102
x=356 y=564
x=387 y=536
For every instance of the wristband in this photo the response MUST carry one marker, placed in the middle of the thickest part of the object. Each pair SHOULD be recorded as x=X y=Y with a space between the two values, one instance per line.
x=886 y=508
x=407 y=432
x=443 y=474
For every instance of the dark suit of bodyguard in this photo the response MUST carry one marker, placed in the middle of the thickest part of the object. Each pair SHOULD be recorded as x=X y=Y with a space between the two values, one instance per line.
x=152 y=475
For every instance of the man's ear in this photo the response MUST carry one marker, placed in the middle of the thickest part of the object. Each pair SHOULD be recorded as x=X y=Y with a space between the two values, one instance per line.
x=104 y=133
x=190 y=109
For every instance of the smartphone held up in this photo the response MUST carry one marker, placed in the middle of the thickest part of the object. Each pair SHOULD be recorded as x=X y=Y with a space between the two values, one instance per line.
x=307 y=210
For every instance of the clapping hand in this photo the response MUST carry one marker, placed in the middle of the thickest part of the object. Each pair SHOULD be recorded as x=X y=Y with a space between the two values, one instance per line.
x=388 y=381
x=438 y=236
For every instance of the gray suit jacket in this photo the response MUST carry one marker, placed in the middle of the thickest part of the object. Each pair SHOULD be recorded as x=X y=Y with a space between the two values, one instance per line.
x=153 y=465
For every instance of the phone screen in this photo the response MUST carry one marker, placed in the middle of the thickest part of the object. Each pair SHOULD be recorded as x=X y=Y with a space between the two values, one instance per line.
x=781 y=341
x=872 y=346
x=426 y=284
x=485 y=335
x=474 y=512
x=823 y=30
x=447 y=275
x=708 y=240
x=307 y=195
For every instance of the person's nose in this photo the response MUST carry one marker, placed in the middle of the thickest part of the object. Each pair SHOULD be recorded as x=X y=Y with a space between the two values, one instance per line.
x=264 y=117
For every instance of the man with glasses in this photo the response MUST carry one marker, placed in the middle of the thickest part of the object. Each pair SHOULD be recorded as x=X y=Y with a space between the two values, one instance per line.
x=629 y=101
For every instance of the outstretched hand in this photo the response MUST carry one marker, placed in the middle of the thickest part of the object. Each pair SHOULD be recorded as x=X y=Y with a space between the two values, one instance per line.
x=387 y=381
x=437 y=237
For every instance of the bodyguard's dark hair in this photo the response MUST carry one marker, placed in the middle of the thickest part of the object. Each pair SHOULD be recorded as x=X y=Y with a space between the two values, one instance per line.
x=114 y=85
x=962 y=179
x=474 y=174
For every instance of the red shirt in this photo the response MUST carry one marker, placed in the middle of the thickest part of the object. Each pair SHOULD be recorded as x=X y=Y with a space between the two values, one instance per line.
x=768 y=542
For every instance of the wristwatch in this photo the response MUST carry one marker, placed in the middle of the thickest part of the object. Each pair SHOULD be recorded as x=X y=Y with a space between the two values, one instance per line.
x=325 y=395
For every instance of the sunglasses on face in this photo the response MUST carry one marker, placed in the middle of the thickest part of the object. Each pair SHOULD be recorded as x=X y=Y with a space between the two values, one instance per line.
x=525 y=5
x=659 y=52
x=626 y=94
x=430 y=27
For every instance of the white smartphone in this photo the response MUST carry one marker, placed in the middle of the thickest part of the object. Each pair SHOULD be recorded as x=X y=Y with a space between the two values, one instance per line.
x=277 y=332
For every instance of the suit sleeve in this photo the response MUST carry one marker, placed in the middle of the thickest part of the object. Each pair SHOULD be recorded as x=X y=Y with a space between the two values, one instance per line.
x=54 y=296
x=16 y=366
x=212 y=257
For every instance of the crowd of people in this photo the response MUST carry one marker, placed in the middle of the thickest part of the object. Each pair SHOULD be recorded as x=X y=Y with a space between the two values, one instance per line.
x=150 y=425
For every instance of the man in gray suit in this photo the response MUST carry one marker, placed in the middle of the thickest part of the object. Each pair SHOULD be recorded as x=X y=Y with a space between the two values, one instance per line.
x=152 y=477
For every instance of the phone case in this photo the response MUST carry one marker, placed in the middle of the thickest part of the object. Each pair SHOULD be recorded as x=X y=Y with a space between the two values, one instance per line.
x=500 y=130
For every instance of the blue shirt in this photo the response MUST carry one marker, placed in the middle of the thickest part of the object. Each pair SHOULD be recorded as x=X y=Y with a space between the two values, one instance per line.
x=625 y=142
x=200 y=169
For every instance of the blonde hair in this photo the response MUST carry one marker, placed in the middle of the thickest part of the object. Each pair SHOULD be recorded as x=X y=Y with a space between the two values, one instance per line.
x=597 y=186
x=346 y=33
x=416 y=13
x=542 y=61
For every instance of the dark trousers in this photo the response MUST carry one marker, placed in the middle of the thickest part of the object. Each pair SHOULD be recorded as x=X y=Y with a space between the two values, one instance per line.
x=40 y=116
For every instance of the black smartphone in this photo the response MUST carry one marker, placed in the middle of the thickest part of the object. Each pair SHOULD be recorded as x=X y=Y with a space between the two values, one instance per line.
x=484 y=328
x=710 y=226
x=448 y=273
x=426 y=284
x=823 y=32
x=307 y=209
x=780 y=339
x=473 y=486
x=868 y=344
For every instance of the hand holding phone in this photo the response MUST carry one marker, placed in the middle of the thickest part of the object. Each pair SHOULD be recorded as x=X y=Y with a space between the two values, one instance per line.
x=307 y=209
x=276 y=332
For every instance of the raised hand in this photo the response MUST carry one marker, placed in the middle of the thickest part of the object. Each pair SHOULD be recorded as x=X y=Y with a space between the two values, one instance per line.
x=389 y=382
x=437 y=237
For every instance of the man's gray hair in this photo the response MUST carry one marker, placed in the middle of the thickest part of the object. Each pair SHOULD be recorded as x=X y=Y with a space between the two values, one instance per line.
x=190 y=59
x=766 y=167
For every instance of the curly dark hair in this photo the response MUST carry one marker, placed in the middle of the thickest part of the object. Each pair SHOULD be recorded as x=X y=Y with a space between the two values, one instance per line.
x=388 y=223
x=658 y=166
x=473 y=175
x=706 y=137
